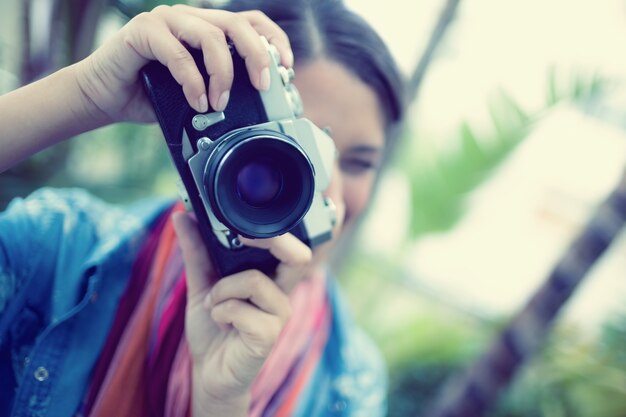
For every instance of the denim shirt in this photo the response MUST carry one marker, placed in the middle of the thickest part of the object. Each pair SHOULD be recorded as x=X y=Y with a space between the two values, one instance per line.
x=351 y=378
x=65 y=258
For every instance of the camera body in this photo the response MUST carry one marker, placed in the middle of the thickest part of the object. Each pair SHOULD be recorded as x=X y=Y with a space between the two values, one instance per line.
x=256 y=169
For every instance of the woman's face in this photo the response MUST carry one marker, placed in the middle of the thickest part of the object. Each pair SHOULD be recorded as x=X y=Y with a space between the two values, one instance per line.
x=333 y=97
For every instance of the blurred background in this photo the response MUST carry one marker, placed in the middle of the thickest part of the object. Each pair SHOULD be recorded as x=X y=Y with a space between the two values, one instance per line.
x=516 y=134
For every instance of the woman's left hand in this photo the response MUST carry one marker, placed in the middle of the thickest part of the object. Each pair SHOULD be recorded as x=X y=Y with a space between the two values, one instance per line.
x=233 y=323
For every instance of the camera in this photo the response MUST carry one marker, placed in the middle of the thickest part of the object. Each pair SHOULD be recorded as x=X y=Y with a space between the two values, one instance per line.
x=256 y=169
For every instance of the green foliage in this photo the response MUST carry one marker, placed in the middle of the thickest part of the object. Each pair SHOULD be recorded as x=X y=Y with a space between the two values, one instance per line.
x=411 y=391
x=579 y=86
x=576 y=375
x=119 y=163
x=426 y=340
x=441 y=178
x=407 y=322
x=613 y=342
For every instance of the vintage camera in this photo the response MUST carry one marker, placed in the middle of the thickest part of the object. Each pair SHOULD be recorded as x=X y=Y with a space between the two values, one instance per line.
x=256 y=169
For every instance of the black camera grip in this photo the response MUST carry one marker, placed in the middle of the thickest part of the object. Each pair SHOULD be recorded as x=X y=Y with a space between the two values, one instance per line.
x=174 y=115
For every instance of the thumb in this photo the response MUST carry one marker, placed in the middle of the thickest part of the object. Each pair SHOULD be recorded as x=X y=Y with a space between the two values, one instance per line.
x=198 y=268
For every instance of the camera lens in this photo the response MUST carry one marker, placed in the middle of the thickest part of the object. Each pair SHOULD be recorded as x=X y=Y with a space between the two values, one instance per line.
x=258 y=183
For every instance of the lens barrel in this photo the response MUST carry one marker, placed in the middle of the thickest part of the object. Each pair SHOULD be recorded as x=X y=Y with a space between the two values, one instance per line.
x=260 y=183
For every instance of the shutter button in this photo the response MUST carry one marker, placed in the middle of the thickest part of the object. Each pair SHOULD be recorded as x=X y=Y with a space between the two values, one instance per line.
x=41 y=374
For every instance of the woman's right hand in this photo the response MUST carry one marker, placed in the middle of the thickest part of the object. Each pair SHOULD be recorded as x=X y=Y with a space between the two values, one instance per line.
x=109 y=78
x=233 y=323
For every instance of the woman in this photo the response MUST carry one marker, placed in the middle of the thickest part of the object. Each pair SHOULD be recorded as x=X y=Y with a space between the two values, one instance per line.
x=94 y=299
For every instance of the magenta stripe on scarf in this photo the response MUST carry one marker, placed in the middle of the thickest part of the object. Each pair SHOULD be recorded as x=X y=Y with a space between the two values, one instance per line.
x=171 y=276
x=128 y=302
x=171 y=332
x=178 y=399
x=308 y=301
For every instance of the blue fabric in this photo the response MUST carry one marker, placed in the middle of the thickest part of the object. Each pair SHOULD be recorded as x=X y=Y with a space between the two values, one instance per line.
x=351 y=378
x=65 y=258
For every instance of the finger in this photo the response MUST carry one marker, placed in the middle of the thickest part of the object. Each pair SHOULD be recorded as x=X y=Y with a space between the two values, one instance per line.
x=247 y=41
x=257 y=288
x=294 y=256
x=273 y=33
x=151 y=38
x=200 y=34
x=259 y=329
x=287 y=248
x=198 y=267
x=288 y=277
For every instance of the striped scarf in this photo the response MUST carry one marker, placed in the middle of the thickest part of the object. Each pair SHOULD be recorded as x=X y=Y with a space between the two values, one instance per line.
x=145 y=366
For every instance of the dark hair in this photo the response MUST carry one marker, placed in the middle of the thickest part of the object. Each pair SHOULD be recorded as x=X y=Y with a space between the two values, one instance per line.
x=326 y=28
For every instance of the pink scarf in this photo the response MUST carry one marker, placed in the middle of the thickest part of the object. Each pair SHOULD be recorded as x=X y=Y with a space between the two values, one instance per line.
x=145 y=367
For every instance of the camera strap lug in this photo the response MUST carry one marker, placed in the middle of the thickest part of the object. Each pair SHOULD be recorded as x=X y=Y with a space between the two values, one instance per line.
x=182 y=193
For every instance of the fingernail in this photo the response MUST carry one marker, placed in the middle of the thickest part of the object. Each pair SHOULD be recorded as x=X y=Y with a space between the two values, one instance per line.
x=223 y=101
x=207 y=302
x=203 y=103
x=289 y=59
x=264 y=83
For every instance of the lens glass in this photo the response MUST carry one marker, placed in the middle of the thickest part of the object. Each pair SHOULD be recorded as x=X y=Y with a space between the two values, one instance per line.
x=258 y=183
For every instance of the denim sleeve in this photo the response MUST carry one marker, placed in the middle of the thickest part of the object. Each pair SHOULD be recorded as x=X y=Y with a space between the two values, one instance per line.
x=33 y=232
x=18 y=236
